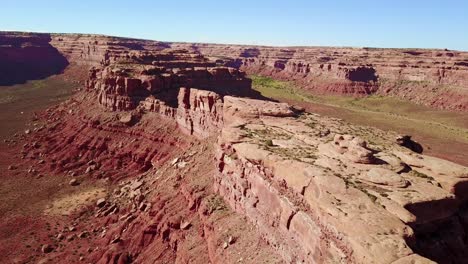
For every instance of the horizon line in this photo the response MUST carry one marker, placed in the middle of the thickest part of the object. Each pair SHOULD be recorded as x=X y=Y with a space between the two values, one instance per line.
x=225 y=43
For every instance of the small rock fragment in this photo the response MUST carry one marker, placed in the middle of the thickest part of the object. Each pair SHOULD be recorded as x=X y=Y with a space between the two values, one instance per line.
x=90 y=169
x=83 y=234
x=115 y=240
x=181 y=165
x=101 y=202
x=46 y=248
x=73 y=182
x=185 y=225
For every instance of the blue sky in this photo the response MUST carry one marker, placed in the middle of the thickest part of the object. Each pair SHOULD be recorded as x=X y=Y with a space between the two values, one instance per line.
x=377 y=23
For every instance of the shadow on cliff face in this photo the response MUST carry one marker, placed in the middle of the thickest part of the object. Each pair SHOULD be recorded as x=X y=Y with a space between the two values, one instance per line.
x=363 y=74
x=249 y=53
x=28 y=58
x=170 y=97
x=444 y=241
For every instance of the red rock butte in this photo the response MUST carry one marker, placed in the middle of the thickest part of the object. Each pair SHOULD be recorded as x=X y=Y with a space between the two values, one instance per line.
x=199 y=168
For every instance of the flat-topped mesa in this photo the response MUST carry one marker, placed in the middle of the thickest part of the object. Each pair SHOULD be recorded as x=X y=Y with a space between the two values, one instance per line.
x=81 y=49
x=95 y=50
x=168 y=58
x=17 y=39
x=122 y=86
x=329 y=198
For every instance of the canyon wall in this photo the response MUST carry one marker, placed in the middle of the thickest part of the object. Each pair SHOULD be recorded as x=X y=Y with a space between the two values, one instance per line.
x=97 y=50
x=315 y=189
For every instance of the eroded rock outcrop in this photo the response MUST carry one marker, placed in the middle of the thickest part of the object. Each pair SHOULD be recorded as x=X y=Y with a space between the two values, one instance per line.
x=123 y=89
x=332 y=198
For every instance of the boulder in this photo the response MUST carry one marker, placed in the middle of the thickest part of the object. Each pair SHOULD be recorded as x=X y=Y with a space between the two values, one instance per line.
x=407 y=142
x=126 y=118
x=353 y=148
x=386 y=177
x=46 y=248
x=74 y=182
x=101 y=202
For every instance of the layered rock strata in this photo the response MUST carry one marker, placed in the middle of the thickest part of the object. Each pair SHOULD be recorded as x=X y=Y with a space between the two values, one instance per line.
x=316 y=193
x=315 y=189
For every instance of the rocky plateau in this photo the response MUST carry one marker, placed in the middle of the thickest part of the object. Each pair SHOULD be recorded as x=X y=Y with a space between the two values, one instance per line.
x=166 y=154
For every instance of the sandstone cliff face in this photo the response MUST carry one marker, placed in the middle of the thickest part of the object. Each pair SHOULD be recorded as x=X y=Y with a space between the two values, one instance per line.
x=316 y=192
x=154 y=116
x=323 y=197
x=121 y=89
x=161 y=207
x=175 y=83
x=97 y=50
